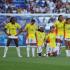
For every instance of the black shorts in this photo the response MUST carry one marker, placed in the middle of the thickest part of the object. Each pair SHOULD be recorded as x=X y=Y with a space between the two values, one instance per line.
x=15 y=40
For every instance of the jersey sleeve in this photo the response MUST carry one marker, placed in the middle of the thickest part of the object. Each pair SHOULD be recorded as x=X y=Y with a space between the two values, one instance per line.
x=55 y=23
x=36 y=27
x=26 y=27
x=18 y=26
x=6 y=26
x=47 y=36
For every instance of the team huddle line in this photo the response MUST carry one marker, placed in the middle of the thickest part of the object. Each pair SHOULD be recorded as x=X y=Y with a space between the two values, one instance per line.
x=37 y=37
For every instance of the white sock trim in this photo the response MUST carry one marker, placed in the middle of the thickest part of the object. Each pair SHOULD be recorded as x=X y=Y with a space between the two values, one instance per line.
x=33 y=52
x=5 y=51
x=28 y=51
x=18 y=51
x=68 y=53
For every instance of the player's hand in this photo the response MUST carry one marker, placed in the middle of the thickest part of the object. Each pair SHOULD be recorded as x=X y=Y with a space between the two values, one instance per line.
x=16 y=35
x=8 y=34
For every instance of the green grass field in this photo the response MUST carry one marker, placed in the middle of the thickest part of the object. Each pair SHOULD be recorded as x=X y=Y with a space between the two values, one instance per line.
x=12 y=62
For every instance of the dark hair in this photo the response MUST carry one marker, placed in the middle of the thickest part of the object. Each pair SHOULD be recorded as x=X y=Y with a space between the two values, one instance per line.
x=32 y=20
x=59 y=17
x=52 y=27
x=41 y=29
x=67 y=19
x=12 y=19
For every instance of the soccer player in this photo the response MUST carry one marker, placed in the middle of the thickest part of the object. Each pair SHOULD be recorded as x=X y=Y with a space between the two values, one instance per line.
x=59 y=25
x=31 y=29
x=51 y=37
x=67 y=36
x=40 y=37
x=11 y=31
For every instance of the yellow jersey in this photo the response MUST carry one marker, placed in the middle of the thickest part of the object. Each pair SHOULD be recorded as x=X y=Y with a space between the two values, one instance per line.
x=59 y=28
x=12 y=28
x=52 y=39
x=67 y=30
x=40 y=36
x=31 y=30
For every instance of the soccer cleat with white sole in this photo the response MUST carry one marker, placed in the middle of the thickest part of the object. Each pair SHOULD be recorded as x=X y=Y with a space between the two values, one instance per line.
x=4 y=56
x=20 y=56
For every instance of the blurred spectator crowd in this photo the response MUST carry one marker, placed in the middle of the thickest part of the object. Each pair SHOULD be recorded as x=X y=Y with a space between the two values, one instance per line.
x=34 y=6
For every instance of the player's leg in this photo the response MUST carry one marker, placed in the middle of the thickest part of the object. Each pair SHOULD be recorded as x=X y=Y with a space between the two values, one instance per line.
x=58 y=45
x=54 y=51
x=33 y=46
x=28 y=47
x=28 y=50
x=6 y=48
x=17 y=47
x=67 y=47
x=58 y=51
x=51 y=52
x=58 y=48
x=33 y=51
x=47 y=49
x=39 y=51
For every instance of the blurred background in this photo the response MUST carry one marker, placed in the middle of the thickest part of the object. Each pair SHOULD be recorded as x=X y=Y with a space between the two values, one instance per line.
x=34 y=6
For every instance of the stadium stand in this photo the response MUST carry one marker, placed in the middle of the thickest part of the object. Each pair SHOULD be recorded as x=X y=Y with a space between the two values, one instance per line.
x=34 y=6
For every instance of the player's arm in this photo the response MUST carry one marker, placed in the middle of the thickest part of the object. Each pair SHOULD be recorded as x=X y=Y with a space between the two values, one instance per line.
x=5 y=29
x=21 y=30
x=45 y=39
x=64 y=29
x=55 y=25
